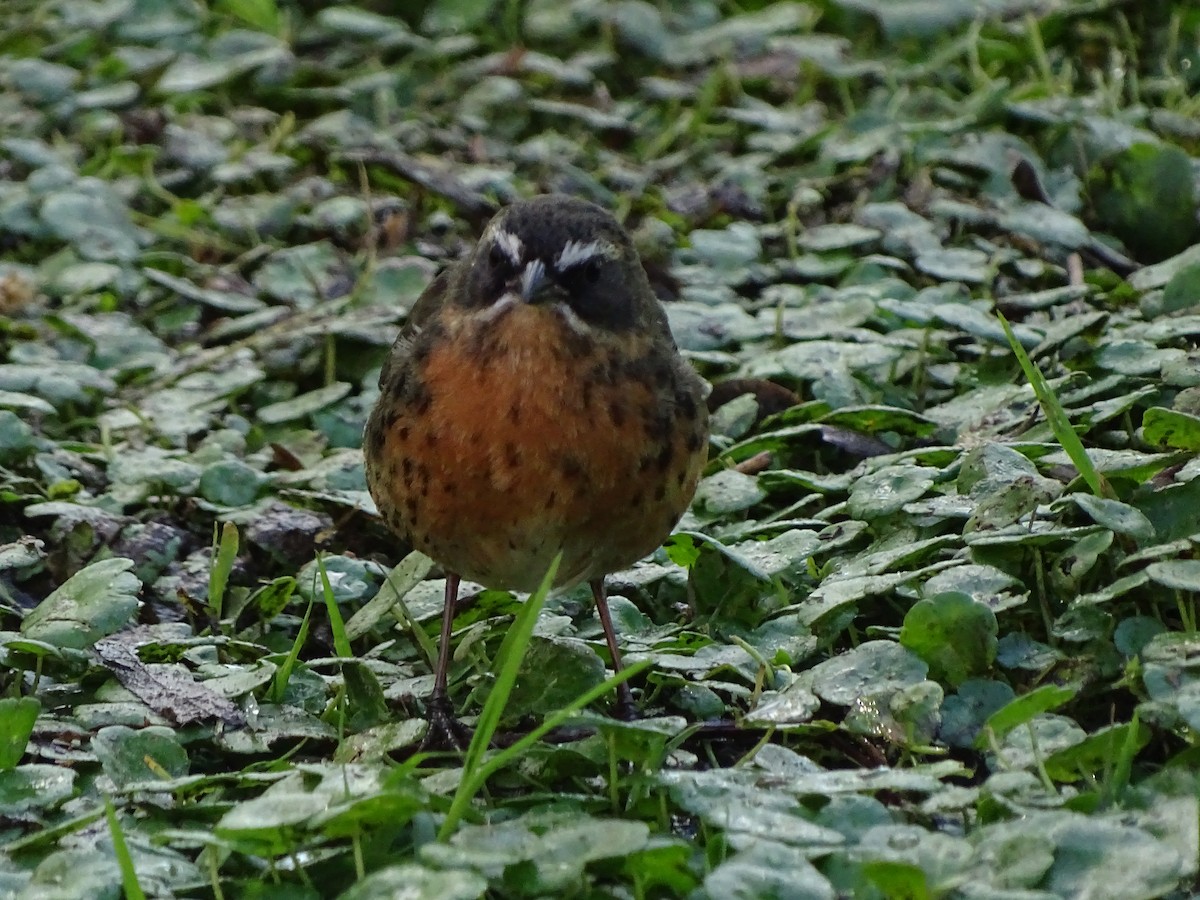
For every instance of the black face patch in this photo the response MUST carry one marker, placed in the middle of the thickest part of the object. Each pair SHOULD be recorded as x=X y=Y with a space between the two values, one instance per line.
x=585 y=255
x=492 y=270
x=598 y=292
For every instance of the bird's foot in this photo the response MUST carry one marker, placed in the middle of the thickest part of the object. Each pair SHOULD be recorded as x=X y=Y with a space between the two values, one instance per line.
x=445 y=732
x=625 y=709
x=626 y=712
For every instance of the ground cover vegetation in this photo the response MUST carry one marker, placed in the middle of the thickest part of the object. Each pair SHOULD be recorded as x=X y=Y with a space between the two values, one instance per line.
x=929 y=628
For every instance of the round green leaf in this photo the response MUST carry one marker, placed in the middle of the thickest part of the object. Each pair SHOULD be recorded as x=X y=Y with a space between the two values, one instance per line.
x=303 y=405
x=1146 y=196
x=1183 y=290
x=34 y=787
x=1023 y=709
x=726 y=492
x=77 y=874
x=768 y=870
x=230 y=483
x=16 y=437
x=1116 y=516
x=1171 y=428
x=93 y=603
x=1179 y=574
x=964 y=713
x=876 y=667
x=132 y=755
x=955 y=635
x=886 y=491
x=271 y=822
x=554 y=671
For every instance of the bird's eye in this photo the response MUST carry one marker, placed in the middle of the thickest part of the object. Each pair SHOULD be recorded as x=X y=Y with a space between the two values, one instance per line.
x=496 y=257
x=581 y=275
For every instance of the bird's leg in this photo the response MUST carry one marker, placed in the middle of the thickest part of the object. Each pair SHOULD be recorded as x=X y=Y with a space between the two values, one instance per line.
x=445 y=732
x=625 y=707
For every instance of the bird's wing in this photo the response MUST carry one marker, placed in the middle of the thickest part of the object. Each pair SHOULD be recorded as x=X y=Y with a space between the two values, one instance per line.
x=423 y=310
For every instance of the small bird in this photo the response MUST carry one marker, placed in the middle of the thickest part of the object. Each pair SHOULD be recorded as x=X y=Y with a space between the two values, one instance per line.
x=534 y=404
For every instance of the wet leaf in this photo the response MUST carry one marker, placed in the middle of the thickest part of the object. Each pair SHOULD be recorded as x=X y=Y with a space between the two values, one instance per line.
x=1171 y=428
x=953 y=634
x=1023 y=709
x=1178 y=574
x=419 y=883
x=768 y=871
x=304 y=275
x=886 y=491
x=1119 y=517
x=147 y=754
x=93 y=603
x=303 y=405
x=965 y=712
x=33 y=787
x=553 y=673
x=16 y=437
x=876 y=667
x=17 y=718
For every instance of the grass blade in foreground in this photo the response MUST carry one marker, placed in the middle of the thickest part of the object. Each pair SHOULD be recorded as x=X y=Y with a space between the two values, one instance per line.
x=224 y=555
x=508 y=663
x=129 y=879
x=341 y=643
x=1056 y=415
x=476 y=779
x=284 y=673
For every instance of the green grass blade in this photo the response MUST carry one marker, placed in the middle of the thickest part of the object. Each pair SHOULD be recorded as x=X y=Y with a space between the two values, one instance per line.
x=341 y=643
x=403 y=578
x=509 y=754
x=284 y=673
x=1118 y=783
x=261 y=14
x=508 y=663
x=474 y=779
x=133 y=890
x=224 y=555
x=1055 y=415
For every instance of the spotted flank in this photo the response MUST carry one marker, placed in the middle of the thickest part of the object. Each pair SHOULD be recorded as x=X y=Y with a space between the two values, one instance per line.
x=492 y=478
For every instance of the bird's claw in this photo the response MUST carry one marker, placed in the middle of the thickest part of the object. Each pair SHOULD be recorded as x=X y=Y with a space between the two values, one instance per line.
x=445 y=731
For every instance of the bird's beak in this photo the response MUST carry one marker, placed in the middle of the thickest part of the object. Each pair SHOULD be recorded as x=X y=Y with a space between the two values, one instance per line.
x=534 y=287
x=532 y=281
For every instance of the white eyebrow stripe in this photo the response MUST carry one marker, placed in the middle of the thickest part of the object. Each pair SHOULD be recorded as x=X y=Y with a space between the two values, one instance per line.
x=578 y=252
x=510 y=244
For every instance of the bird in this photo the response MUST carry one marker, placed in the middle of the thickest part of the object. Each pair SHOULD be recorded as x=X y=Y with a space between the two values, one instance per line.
x=534 y=404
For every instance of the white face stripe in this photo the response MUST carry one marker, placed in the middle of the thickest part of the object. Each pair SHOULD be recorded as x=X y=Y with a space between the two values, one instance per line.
x=510 y=244
x=573 y=321
x=497 y=309
x=578 y=252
